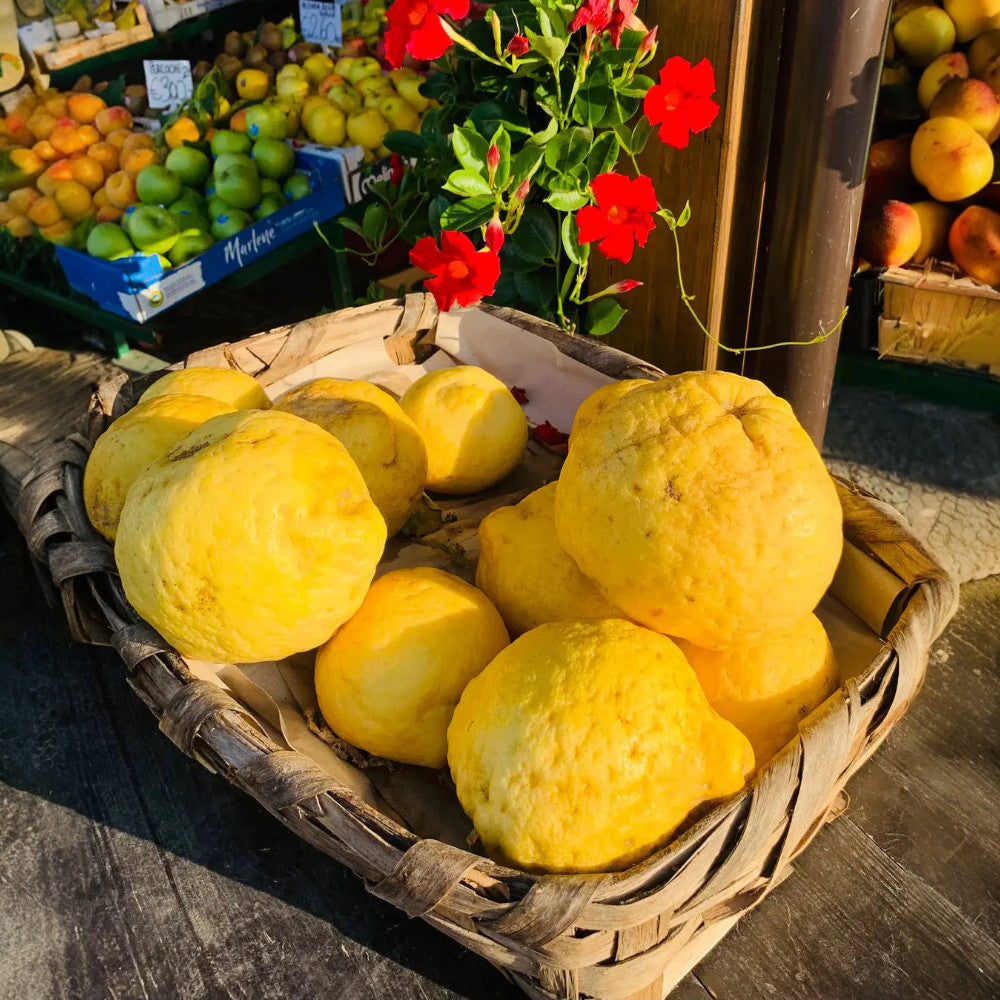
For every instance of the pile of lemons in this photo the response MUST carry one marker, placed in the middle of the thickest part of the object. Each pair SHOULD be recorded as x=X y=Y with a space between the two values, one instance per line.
x=660 y=593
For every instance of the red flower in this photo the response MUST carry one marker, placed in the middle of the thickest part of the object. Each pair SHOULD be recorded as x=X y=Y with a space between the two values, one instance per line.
x=622 y=17
x=462 y=275
x=397 y=167
x=518 y=45
x=621 y=217
x=519 y=394
x=611 y=15
x=626 y=285
x=415 y=27
x=681 y=102
x=553 y=438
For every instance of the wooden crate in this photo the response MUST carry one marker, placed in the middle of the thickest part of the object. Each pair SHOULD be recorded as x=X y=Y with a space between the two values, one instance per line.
x=59 y=55
x=939 y=315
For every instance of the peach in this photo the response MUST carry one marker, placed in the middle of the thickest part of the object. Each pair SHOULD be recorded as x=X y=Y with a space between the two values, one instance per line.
x=888 y=174
x=89 y=135
x=87 y=171
x=111 y=119
x=133 y=161
x=889 y=235
x=41 y=124
x=982 y=52
x=56 y=106
x=84 y=108
x=27 y=161
x=44 y=150
x=972 y=101
x=44 y=212
x=19 y=226
x=73 y=200
x=974 y=241
x=118 y=138
x=121 y=191
x=23 y=198
x=109 y=213
x=935 y=221
x=950 y=158
x=106 y=155
x=58 y=232
x=946 y=67
x=55 y=174
x=137 y=140
x=66 y=138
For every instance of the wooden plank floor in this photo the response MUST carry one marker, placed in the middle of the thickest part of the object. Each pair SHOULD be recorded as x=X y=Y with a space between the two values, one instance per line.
x=128 y=871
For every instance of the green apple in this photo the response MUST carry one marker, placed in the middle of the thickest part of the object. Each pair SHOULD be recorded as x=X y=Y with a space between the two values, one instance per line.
x=345 y=97
x=297 y=186
x=343 y=65
x=374 y=85
x=239 y=186
x=265 y=121
x=216 y=207
x=327 y=125
x=228 y=141
x=192 y=220
x=230 y=224
x=189 y=244
x=152 y=228
x=292 y=71
x=318 y=66
x=189 y=201
x=274 y=158
x=292 y=89
x=108 y=241
x=268 y=185
x=156 y=185
x=361 y=67
x=399 y=114
x=408 y=88
x=226 y=160
x=289 y=111
x=367 y=128
x=192 y=166
x=269 y=204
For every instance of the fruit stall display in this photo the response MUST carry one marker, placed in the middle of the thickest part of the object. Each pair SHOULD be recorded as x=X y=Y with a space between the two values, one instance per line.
x=932 y=200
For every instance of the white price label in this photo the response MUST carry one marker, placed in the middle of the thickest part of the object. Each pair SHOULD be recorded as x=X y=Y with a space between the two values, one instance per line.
x=320 y=22
x=168 y=82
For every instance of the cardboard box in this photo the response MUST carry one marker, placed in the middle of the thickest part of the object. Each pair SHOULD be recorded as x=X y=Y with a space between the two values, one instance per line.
x=138 y=287
x=358 y=177
x=166 y=13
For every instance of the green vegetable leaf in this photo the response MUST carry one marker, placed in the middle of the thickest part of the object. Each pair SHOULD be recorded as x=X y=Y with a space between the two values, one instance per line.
x=469 y=148
x=373 y=223
x=548 y=46
x=603 y=316
x=567 y=201
x=467 y=183
x=468 y=214
x=685 y=217
x=603 y=154
x=571 y=242
x=525 y=163
x=567 y=152
x=640 y=135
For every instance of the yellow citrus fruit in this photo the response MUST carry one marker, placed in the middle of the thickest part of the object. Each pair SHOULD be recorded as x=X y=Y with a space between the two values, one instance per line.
x=702 y=509
x=255 y=539
x=526 y=573
x=474 y=429
x=766 y=687
x=378 y=435
x=390 y=678
x=134 y=442
x=252 y=84
x=585 y=744
x=239 y=390
x=597 y=402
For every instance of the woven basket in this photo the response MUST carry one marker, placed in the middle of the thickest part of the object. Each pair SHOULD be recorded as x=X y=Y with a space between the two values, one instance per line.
x=632 y=934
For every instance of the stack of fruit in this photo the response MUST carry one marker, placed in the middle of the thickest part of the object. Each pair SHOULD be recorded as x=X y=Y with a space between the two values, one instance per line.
x=931 y=195
x=65 y=158
x=664 y=586
x=362 y=21
x=178 y=209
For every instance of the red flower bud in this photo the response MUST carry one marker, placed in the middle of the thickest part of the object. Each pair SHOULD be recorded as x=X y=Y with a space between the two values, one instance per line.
x=494 y=237
x=518 y=45
x=647 y=43
x=493 y=157
x=626 y=285
x=522 y=190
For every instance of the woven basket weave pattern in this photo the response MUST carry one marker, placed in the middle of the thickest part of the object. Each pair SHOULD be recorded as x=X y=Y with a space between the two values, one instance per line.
x=628 y=935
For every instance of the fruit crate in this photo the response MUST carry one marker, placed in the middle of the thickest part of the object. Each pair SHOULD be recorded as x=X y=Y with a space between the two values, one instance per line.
x=139 y=288
x=931 y=314
x=628 y=935
x=61 y=55
x=165 y=14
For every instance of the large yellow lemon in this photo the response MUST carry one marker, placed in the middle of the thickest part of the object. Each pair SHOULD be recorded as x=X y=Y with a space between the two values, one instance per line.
x=378 y=435
x=136 y=440
x=239 y=390
x=525 y=571
x=702 y=509
x=254 y=540
x=390 y=678
x=766 y=687
x=597 y=402
x=474 y=429
x=584 y=745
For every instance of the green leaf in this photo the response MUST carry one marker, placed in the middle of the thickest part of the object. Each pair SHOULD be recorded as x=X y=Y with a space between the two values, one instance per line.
x=603 y=154
x=567 y=152
x=467 y=183
x=637 y=87
x=597 y=102
x=685 y=217
x=526 y=163
x=640 y=136
x=468 y=214
x=469 y=148
x=406 y=143
x=434 y=212
x=548 y=46
x=536 y=236
x=536 y=289
x=547 y=133
x=571 y=242
x=567 y=201
x=488 y=116
x=501 y=139
x=351 y=225
x=373 y=223
x=603 y=316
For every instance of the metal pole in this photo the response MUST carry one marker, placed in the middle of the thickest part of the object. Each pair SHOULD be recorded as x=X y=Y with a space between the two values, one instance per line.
x=828 y=77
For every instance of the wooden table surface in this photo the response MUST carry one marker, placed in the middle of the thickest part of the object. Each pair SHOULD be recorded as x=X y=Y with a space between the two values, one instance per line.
x=128 y=871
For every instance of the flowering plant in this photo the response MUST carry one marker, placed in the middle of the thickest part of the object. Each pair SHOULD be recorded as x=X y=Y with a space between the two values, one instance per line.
x=539 y=104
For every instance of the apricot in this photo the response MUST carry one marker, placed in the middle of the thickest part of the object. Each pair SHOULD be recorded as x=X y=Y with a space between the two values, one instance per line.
x=27 y=161
x=137 y=140
x=888 y=173
x=923 y=33
x=889 y=234
x=67 y=139
x=971 y=17
x=950 y=158
x=109 y=213
x=44 y=212
x=58 y=232
x=238 y=122
x=974 y=241
x=23 y=198
x=106 y=155
x=983 y=51
x=87 y=171
x=132 y=161
x=19 y=226
x=74 y=200
x=109 y=120
x=946 y=67
x=26 y=105
x=89 y=135
x=972 y=101
x=44 y=150
x=118 y=138
x=41 y=124
x=84 y=108
x=56 y=105
x=935 y=221
x=54 y=175
x=120 y=188
x=7 y=212
x=14 y=131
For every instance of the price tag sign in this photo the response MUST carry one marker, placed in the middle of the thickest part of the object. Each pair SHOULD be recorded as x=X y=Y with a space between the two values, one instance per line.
x=320 y=22
x=168 y=82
